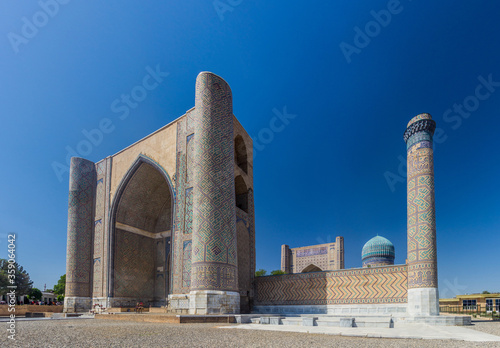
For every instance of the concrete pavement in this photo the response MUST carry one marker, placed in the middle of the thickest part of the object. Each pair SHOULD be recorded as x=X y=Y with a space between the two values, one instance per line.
x=413 y=331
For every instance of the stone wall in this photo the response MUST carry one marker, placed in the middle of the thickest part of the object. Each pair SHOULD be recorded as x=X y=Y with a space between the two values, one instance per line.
x=22 y=309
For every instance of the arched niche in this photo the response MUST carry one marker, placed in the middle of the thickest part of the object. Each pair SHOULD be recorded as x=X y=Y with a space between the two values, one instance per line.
x=240 y=153
x=241 y=193
x=141 y=224
x=311 y=268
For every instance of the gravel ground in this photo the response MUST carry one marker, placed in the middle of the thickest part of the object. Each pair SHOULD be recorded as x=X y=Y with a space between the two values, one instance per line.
x=104 y=333
x=491 y=327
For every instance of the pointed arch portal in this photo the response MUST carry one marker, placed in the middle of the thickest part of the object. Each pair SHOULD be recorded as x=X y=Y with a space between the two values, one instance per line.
x=141 y=224
x=311 y=268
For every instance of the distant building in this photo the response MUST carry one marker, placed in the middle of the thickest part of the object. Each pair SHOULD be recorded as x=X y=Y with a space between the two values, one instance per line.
x=488 y=302
x=314 y=258
x=48 y=297
x=378 y=251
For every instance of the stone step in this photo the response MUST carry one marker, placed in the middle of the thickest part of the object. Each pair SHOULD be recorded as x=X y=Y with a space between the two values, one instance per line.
x=247 y=318
x=371 y=321
x=441 y=320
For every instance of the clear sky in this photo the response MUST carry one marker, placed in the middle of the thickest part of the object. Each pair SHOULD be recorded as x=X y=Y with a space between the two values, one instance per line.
x=349 y=75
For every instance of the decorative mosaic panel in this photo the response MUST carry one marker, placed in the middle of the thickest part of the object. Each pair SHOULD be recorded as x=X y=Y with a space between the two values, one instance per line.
x=177 y=250
x=188 y=218
x=80 y=227
x=184 y=201
x=190 y=158
x=421 y=219
x=356 y=286
x=105 y=235
x=97 y=277
x=186 y=264
x=99 y=228
x=214 y=258
x=312 y=252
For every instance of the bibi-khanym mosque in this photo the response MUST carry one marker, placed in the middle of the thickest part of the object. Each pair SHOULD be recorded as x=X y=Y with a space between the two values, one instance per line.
x=169 y=221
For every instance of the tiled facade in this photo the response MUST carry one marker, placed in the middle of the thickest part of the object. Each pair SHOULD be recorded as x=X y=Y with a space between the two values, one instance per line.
x=353 y=286
x=159 y=218
x=320 y=257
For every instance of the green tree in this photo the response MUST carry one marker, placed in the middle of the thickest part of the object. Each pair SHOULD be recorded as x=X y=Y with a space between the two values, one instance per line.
x=60 y=287
x=277 y=272
x=260 y=273
x=35 y=294
x=485 y=292
x=21 y=280
x=60 y=298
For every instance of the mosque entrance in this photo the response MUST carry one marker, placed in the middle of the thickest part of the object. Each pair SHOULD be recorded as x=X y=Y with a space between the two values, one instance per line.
x=141 y=236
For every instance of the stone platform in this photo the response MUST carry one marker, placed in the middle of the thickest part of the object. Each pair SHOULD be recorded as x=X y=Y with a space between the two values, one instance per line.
x=168 y=318
x=408 y=331
x=383 y=321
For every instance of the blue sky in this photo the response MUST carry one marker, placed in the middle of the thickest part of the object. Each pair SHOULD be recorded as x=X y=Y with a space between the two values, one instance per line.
x=350 y=74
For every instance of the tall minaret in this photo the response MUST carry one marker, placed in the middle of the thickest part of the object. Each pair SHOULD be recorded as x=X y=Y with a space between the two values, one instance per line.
x=214 y=272
x=81 y=202
x=423 y=297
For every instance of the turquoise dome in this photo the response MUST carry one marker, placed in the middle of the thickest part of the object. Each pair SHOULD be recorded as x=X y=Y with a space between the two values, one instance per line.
x=378 y=251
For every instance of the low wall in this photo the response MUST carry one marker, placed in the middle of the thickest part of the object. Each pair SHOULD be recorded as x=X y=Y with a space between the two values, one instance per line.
x=22 y=309
x=360 y=286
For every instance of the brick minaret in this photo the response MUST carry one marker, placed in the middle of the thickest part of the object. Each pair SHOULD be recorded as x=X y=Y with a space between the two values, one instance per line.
x=82 y=182
x=423 y=297
x=214 y=273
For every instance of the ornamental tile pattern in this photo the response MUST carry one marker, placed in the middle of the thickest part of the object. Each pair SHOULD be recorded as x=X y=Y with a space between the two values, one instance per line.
x=188 y=218
x=186 y=264
x=100 y=215
x=355 y=286
x=184 y=203
x=421 y=220
x=423 y=116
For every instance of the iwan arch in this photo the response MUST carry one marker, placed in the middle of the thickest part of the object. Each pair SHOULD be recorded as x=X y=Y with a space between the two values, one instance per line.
x=170 y=220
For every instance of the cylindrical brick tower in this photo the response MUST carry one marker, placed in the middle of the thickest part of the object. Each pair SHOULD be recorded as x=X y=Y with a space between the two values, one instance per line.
x=423 y=297
x=82 y=184
x=214 y=273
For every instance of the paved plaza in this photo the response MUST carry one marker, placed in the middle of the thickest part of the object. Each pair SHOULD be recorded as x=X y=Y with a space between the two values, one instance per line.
x=104 y=333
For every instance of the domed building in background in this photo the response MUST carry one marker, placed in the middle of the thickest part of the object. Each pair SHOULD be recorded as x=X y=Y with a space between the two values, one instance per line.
x=378 y=251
